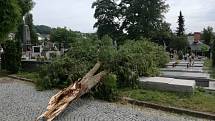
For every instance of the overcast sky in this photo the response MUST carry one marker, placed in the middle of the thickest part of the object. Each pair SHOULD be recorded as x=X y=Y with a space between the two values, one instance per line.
x=78 y=14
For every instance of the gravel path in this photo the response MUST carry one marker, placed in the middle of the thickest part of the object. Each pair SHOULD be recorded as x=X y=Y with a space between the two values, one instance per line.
x=19 y=101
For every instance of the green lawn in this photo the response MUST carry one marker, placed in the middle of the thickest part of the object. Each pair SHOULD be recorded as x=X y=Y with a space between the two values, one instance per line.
x=34 y=76
x=199 y=101
x=209 y=68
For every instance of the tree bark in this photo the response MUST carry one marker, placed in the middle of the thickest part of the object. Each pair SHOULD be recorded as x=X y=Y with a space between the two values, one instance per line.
x=63 y=98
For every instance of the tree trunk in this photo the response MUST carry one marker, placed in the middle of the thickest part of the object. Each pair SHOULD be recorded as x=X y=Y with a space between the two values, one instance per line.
x=63 y=98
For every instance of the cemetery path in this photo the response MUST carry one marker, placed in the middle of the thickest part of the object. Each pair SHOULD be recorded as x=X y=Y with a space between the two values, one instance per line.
x=19 y=101
x=195 y=72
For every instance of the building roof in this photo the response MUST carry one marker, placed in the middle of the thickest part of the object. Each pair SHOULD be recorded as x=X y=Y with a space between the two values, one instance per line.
x=199 y=46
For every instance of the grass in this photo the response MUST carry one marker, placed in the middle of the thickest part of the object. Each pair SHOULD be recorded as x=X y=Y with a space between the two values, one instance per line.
x=209 y=68
x=199 y=101
x=34 y=76
x=208 y=63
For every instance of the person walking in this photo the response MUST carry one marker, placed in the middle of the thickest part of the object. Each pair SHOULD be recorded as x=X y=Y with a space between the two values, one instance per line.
x=193 y=58
x=190 y=60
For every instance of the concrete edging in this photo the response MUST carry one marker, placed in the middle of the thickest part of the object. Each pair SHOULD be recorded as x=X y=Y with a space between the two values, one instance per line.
x=166 y=70
x=20 y=78
x=171 y=109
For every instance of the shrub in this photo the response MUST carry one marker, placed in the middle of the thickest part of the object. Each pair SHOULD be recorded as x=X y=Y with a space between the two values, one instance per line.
x=213 y=54
x=180 y=55
x=179 y=43
x=133 y=59
x=138 y=58
x=61 y=72
x=107 y=89
x=11 y=58
x=76 y=62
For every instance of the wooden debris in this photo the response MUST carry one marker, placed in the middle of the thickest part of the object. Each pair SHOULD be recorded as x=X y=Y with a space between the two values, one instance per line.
x=63 y=98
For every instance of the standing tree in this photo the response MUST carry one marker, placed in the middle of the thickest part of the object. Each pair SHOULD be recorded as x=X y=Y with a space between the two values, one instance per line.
x=178 y=43
x=10 y=14
x=163 y=35
x=142 y=17
x=33 y=34
x=128 y=18
x=25 y=5
x=207 y=35
x=12 y=56
x=106 y=13
x=180 y=29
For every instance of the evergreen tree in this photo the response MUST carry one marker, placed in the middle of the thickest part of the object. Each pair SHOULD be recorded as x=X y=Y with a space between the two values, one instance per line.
x=180 y=29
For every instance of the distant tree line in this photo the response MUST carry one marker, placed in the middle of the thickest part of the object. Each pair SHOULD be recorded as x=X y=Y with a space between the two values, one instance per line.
x=43 y=29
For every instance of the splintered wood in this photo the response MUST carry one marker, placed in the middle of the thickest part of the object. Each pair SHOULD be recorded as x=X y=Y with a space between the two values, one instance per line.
x=62 y=99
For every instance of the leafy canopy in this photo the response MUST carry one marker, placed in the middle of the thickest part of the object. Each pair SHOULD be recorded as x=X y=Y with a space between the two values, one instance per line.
x=133 y=59
x=10 y=14
x=179 y=43
x=208 y=35
x=128 y=18
x=106 y=12
x=25 y=5
x=62 y=35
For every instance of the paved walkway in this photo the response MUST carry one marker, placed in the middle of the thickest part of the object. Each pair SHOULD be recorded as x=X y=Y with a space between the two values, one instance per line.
x=19 y=101
x=181 y=70
x=195 y=72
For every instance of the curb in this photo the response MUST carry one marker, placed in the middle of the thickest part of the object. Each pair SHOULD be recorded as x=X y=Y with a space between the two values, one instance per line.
x=182 y=71
x=184 y=65
x=20 y=78
x=209 y=89
x=171 y=109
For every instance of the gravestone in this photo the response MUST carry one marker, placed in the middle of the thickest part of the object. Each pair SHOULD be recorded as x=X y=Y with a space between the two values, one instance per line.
x=26 y=42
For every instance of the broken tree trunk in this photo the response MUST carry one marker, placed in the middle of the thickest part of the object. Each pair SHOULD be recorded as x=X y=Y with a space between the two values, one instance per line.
x=62 y=99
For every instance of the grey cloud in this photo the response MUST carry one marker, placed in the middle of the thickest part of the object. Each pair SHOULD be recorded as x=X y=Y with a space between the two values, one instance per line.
x=78 y=14
x=198 y=13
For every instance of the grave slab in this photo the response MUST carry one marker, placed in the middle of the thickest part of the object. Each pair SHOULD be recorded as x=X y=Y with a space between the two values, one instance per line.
x=168 y=84
x=173 y=74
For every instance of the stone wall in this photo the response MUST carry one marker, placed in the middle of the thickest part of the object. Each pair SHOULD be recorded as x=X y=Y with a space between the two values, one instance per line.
x=32 y=66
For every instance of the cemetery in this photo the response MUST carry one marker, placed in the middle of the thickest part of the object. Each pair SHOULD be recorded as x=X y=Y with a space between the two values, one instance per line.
x=133 y=64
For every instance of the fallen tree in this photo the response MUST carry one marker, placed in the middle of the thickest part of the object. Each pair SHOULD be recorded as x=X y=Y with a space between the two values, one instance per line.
x=63 y=98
